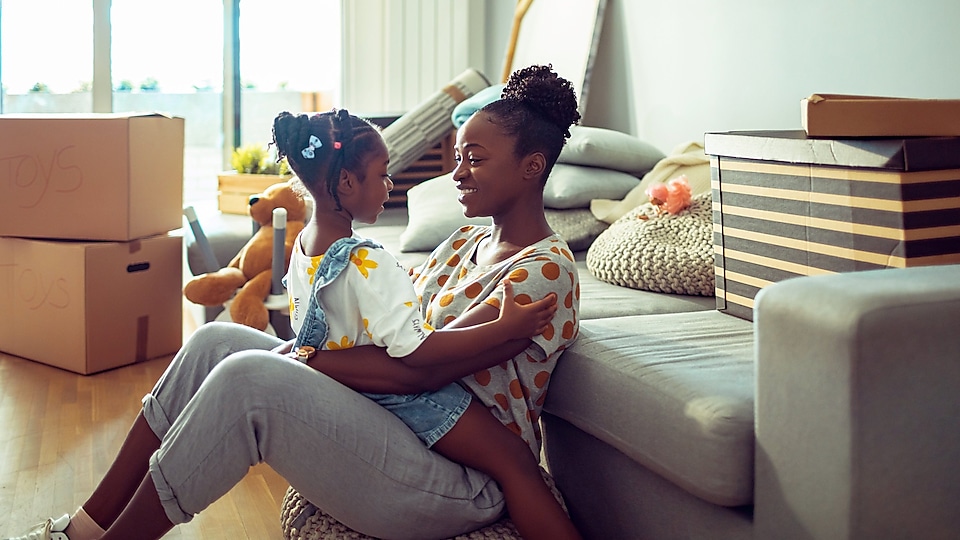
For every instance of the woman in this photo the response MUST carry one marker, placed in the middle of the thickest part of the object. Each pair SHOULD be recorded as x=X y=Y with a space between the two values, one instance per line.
x=234 y=397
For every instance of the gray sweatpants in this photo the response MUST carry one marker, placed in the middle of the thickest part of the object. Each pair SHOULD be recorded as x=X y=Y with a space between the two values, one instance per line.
x=226 y=403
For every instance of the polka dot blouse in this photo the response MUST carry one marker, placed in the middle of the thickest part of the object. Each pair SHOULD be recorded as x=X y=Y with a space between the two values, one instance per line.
x=449 y=283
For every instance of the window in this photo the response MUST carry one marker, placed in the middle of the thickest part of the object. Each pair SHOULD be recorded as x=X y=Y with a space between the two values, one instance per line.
x=289 y=60
x=47 y=56
x=168 y=57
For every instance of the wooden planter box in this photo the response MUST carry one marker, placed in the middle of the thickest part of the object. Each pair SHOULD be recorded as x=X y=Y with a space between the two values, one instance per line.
x=234 y=189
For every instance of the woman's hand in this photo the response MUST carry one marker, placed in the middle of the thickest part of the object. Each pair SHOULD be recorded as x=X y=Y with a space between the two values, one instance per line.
x=520 y=321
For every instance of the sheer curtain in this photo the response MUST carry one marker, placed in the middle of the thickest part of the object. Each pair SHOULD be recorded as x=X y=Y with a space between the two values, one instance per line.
x=399 y=52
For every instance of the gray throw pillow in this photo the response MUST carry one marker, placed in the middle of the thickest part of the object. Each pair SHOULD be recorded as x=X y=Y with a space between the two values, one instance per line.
x=600 y=147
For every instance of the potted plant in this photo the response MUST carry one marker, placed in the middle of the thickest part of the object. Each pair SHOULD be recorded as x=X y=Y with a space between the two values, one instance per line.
x=255 y=169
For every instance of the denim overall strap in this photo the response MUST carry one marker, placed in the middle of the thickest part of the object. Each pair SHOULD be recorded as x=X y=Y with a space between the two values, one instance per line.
x=337 y=257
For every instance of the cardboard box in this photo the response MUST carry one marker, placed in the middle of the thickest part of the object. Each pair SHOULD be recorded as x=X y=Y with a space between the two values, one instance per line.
x=91 y=306
x=835 y=115
x=112 y=177
x=786 y=206
x=234 y=190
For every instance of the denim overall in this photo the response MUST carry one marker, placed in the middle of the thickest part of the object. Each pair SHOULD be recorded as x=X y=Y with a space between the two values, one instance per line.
x=314 y=329
x=429 y=414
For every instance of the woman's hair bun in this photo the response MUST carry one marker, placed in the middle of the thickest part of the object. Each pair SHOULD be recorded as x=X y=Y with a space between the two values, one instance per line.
x=541 y=89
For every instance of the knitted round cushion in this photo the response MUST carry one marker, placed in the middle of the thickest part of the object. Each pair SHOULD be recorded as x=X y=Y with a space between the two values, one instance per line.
x=661 y=253
x=301 y=520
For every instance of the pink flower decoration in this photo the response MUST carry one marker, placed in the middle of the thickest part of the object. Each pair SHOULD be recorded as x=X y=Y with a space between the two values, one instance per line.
x=657 y=193
x=678 y=195
x=673 y=197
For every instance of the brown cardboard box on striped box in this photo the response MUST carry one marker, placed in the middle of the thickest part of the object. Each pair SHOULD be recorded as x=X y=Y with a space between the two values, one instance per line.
x=786 y=205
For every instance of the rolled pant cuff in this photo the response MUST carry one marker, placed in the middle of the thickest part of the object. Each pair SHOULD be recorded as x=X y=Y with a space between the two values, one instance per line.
x=155 y=416
x=168 y=499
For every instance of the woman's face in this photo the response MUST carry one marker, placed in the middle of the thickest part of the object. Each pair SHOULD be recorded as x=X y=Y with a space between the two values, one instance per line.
x=487 y=172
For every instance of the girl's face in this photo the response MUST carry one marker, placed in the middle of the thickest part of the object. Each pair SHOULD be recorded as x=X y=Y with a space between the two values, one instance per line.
x=374 y=186
x=487 y=172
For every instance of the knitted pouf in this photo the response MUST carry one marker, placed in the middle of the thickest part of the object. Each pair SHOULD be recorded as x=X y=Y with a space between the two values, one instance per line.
x=661 y=253
x=301 y=520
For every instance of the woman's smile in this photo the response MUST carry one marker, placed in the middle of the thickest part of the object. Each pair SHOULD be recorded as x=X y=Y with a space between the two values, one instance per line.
x=465 y=192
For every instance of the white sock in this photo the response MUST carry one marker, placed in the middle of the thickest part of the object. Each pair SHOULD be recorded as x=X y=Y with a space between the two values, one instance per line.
x=83 y=527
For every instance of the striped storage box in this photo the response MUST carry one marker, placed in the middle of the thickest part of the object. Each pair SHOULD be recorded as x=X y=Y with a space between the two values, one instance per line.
x=785 y=205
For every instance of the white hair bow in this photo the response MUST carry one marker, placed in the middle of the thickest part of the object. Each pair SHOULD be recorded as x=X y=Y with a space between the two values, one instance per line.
x=312 y=145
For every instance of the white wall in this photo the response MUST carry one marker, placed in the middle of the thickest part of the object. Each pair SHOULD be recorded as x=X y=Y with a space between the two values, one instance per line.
x=499 y=14
x=668 y=71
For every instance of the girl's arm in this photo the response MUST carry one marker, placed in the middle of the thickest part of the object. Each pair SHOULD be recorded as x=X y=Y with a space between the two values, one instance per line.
x=368 y=368
x=484 y=330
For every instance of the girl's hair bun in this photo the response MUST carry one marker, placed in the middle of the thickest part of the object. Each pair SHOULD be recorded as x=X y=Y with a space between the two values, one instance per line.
x=317 y=146
x=541 y=89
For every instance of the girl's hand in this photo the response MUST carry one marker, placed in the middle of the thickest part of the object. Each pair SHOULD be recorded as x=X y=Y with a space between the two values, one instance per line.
x=285 y=348
x=520 y=321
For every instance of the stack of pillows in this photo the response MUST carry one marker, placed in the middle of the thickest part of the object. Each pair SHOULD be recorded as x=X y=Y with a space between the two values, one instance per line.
x=595 y=163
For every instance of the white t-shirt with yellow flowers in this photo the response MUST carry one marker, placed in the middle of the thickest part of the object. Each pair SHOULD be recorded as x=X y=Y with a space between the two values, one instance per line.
x=371 y=302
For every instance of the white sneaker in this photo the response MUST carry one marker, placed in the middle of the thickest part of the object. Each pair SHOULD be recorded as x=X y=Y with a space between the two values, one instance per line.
x=51 y=529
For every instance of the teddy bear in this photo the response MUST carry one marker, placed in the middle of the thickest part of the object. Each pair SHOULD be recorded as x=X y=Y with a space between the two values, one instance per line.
x=251 y=270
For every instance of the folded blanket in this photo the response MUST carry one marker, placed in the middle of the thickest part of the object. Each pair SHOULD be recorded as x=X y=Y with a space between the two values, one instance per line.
x=467 y=107
x=687 y=158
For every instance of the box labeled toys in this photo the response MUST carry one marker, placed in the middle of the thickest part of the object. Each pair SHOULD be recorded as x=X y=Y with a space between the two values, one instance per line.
x=91 y=306
x=786 y=205
x=113 y=177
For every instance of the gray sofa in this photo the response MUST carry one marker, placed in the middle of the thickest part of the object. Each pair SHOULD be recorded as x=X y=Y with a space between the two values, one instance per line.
x=833 y=416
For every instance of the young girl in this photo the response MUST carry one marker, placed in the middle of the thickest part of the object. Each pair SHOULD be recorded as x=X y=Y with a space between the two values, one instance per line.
x=346 y=291
x=228 y=400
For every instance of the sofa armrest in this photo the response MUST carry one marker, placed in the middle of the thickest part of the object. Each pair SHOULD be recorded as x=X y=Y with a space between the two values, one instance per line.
x=857 y=405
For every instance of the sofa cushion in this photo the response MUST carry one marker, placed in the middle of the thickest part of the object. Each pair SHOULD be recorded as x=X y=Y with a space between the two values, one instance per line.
x=599 y=299
x=673 y=392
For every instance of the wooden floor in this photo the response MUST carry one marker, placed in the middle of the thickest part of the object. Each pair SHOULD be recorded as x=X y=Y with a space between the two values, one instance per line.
x=59 y=432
